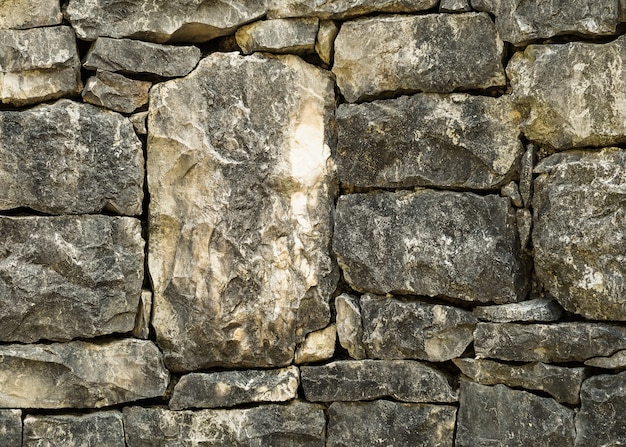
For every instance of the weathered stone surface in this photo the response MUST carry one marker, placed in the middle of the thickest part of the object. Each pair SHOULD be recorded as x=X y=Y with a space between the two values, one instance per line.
x=77 y=374
x=519 y=22
x=298 y=424
x=116 y=92
x=563 y=342
x=23 y=14
x=325 y=43
x=561 y=383
x=161 y=20
x=353 y=380
x=524 y=219
x=384 y=423
x=136 y=57
x=455 y=6
x=572 y=95
x=350 y=326
x=68 y=277
x=511 y=191
x=317 y=346
x=380 y=55
x=426 y=242
x=38 y=65
x=230 y=388
x=241 y=199
x=95 y=429
x=500 y=416
x=279 y=36
x=532 y=310
x=11 y=428
x=600 y=421
x=526 y=174
x=343 y=9
x=456 y=140
x=578 y=233
x=70 y=158
x=616 y=361
x=139 y=121
x=399 y=329
x=142 y=320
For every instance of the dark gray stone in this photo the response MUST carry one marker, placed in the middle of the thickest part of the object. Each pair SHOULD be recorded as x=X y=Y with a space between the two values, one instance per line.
x=537 y=310
x=511 y=191
x=116 y=92
x=400 y=54
x=384 y=423
x=139 y=121
x=298 y=424
x=526 y=175
x=353 y=380
x=600 y=421
x=296 y=36
x=230 y=388
x=96 y=429
x=350 y=326
x=11 y=428
x=524 y=219
x=344 y=9
x=136 y=57
x=70 y=158
x=500 y=416
x=435 y=243
x=399 y=329
x=564 y=342
x=23 y=14
x=68 y=277
x=78 y=374
x=579 y=231
x=457 y=140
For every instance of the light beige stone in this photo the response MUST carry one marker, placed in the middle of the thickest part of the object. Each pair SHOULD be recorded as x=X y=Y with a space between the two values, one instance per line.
x=350 y=326
x=343 y=9
x=296 y=36
x=23 y=14
x=116 y=92
x=317 y=346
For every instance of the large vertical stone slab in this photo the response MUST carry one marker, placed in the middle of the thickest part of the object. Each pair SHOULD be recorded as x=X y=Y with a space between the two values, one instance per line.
x=572 y=95
x=579 y=231
x=432 y=53
x=435 y=243
x=68 y=277
x=95 y=429
x=11 y=428
x=241 y=185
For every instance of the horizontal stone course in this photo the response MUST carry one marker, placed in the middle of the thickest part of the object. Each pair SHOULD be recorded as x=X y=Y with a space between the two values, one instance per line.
x=102 y=429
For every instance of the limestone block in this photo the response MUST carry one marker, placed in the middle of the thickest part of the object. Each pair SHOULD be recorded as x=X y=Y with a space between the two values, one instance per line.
x=70 y=158
x=343 y=9
x=116 y=92
x=391 y=54
x=526 y=175
x=11 y=428
x=579 y=231
x=139 y=121
x=435 y=243
x=615 y=361
x=38 y=64
x=350 y=326
x=142 y=320
x=452 y=141
x=524 y=219
x=97 y=429
x=455 y=6
x=325 y=43
x=354 y=380
x=241 y=183
x=23 y=14
x=67 y=277
x=537 y=310
x=317 y=346
x=78 y=374
x=296 y=36
x=572 y=95
x=161 y=20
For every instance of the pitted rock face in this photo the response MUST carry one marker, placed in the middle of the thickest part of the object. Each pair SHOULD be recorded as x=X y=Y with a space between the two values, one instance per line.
x=343 y=9
x=241 y=185
x=102 y=428
x=11 y=427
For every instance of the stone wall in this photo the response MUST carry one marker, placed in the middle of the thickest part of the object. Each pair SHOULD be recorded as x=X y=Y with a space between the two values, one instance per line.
x=312 y=223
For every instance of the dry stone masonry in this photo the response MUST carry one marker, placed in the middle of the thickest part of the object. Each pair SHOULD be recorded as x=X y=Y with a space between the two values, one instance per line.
x=325 y=223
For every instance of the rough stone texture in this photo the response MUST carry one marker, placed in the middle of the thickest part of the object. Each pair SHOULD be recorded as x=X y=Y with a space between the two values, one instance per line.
x=343 y=9
x=23 y=14
x=317 y=346
x=519 y=22
x=563 y=342
x=500 y=416
x=435 y=243
x=241 y=199
x=279 y=36
x=77 y=374
x=600 y=421
x=578 y=234
x=161 y=20
x=325 y=43
x=398 y=329
x=533 y=310
x=384 y=423
x=524 y=219
x=116 y=92
x=136 y=57
x=298 y=424
x=70 y=158
x=526 y=174
x=353 y=380
x=38 y=65
x=455 y=6
x=68 y=277
x=561 y=383
x=458 y=141
x=142 y=320
x=350 y=326
x=11 y=428
x=616 y=361
x=511 y=191
x=95 y=429
x=230 y=388
x=573 y=95
x=380 y=55
x=139 y=121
